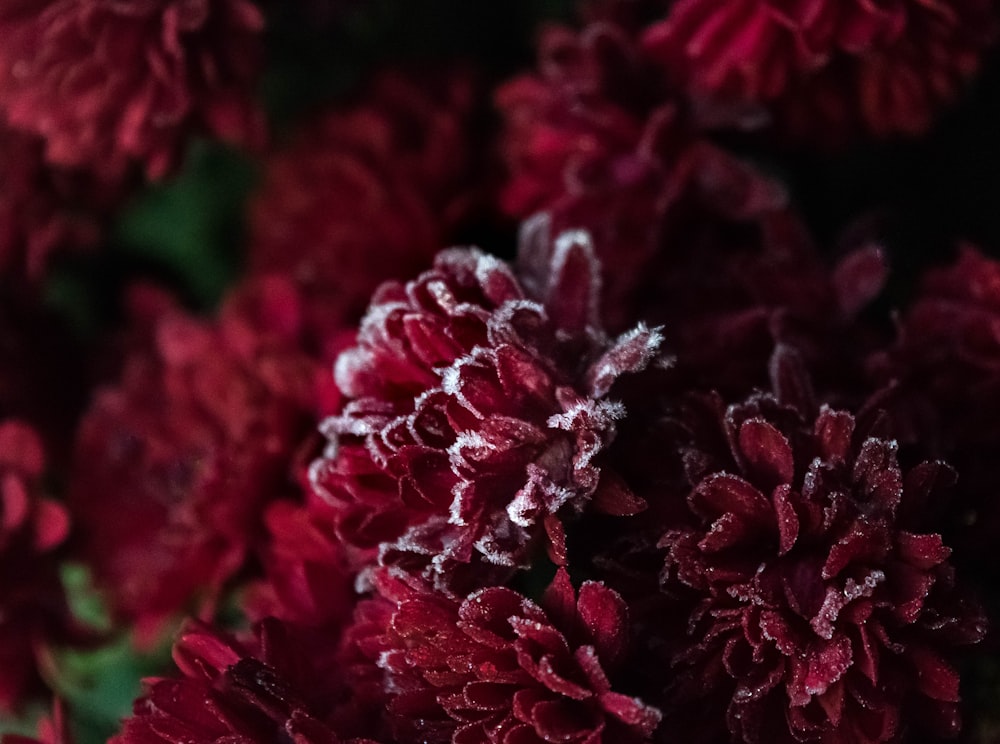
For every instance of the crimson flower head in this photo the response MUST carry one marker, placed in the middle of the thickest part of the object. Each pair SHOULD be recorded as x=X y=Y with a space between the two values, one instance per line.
x=949 y=331
x=942 y=388
x=817 y=613
x=496 y=667
x=175 y=462
x=33 y=607
x=690 y=237
x=103 y=81
x=478 y=402
x=825 y=67
x=260 y=689
x=367 y=193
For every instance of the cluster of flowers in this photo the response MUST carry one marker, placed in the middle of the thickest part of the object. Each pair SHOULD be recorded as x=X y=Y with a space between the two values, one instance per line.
x=669 y=470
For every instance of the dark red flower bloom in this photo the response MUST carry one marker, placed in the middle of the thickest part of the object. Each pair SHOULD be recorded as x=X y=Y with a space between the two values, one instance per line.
x=33 y=609
x=496 y=667
x=816 y=613
x=477 y=410
x=690 y=237
x=104 y=81
x=825 y=70
x=45 y=210
x=367 y=194
x=941 y=386
x=260 y=690
x=174 y=464
x=581 y=116
x=948 y=338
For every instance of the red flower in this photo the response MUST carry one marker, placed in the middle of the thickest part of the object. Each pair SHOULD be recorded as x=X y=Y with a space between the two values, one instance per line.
x=175 y=463
x=690 y=238
x=477 y=410
x=816 y=614
x=952 y=324
x=825 y=69
x=941 y=386
x=104 y=81
x=33 y=608
x=496 y=667
x=44 y=210
x=367 y=194
x=264 y=689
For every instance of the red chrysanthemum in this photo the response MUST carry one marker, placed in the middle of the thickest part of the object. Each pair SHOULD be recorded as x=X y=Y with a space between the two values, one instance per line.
x=690 y=237
x=33 y=607
x=45 y=210
x=825 y=70
x=175 y=463
x=477 y=409
x=941 y=386
x=950 y=346
x=103 y=81
x=817 y=614
x=266 y=688
x=367 y=194
x=495 y=667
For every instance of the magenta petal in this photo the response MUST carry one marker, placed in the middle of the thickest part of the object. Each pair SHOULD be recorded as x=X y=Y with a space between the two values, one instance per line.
x=631 y=352
x=827 y=665
x=614 y=497
x=560 y=599
x=834 y=430
x=728 y=531
x=936 y=678
x=605 y=616
x=574 y=282
x=922 y=551
x=859 y=278
x=557 y=721
x=787 y=518
x=767 y=452
x=633 y=712
x=722 y=493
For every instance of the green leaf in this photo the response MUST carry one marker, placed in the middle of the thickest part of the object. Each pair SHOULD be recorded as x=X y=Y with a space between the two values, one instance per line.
x=193 y=225
x=100 y=684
